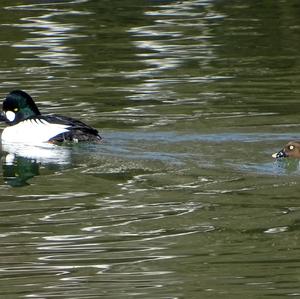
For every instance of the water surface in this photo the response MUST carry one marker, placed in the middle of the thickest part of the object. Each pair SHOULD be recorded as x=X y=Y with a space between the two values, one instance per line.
x=182 y=199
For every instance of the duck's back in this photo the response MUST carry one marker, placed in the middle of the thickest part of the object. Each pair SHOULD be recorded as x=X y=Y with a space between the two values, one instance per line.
x=76 y=130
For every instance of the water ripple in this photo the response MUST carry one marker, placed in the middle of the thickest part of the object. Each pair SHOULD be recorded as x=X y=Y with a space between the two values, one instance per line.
x=50 y=45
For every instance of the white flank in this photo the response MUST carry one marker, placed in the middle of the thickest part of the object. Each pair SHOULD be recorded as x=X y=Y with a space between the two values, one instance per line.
x=32 y=131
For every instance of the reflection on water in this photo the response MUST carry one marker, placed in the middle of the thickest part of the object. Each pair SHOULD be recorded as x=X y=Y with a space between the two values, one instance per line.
x=52 y=36
x=287 y=166
x=173 y=42
x=43 y=153
x=18 y=173
x=22 y=162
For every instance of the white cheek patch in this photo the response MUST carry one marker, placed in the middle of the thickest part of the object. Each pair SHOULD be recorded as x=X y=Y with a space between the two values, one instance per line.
x=10 y=115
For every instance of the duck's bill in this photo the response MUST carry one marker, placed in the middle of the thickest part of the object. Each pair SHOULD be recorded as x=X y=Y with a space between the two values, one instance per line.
x=280 y=154
x=2 y=117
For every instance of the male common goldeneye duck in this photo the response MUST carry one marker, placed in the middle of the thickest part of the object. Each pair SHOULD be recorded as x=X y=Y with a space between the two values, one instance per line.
x=28 y=125
x=292 y=149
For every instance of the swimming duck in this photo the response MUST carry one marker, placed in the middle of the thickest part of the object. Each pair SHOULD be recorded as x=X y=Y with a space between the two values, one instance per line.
x=292 y=149
x=27 y=125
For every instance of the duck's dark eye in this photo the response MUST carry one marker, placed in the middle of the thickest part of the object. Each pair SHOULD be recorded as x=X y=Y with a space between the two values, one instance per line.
x=291 y=147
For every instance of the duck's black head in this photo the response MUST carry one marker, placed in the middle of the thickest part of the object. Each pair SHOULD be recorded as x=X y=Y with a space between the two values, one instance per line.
x=18 y=106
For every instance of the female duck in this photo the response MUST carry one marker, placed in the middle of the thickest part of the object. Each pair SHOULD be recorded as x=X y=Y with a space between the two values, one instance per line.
x=292 y=150
x=28 y=125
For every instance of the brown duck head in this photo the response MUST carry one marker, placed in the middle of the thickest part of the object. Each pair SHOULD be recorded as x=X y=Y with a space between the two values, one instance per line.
x=292 y=150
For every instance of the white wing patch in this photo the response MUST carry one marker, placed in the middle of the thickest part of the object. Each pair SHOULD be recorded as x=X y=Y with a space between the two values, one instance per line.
x=32 y=131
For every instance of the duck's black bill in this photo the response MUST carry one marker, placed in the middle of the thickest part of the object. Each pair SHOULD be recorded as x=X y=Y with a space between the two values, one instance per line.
x=2 y=117
x=280 y=154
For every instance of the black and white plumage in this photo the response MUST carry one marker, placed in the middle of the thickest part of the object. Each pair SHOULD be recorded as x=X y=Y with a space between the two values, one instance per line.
x=28 y=125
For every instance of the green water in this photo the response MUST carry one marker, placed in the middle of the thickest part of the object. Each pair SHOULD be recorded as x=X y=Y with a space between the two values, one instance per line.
x=182 y=199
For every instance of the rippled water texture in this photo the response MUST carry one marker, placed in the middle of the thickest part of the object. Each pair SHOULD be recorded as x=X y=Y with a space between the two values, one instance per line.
x=182 y=199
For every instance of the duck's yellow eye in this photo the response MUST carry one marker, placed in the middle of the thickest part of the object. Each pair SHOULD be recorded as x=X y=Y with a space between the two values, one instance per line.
x=291 y=147
x=16 y=110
